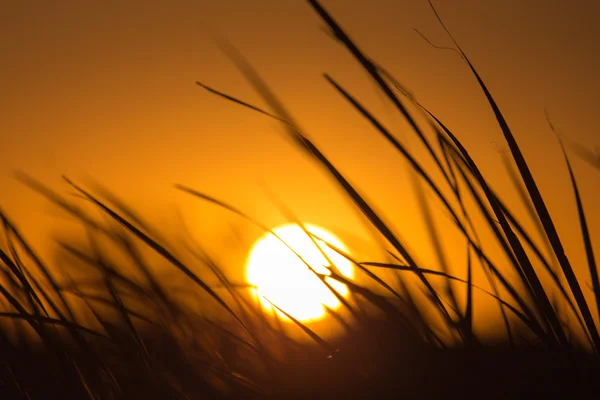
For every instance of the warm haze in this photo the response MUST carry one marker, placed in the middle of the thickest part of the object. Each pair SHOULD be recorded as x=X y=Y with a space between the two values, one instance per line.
x=107 y=93
x=107 y=90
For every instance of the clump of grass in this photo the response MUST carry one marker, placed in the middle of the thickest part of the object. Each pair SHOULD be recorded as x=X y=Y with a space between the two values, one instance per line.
x=121 y=331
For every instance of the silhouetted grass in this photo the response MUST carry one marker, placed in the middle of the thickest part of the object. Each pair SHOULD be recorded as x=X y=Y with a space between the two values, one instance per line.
x=124 y=331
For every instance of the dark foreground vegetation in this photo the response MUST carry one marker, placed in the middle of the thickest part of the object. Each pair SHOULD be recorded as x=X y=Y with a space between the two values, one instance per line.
x=104 y=324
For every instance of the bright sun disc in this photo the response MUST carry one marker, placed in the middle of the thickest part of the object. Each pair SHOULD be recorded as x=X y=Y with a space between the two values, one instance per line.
x=283 y=279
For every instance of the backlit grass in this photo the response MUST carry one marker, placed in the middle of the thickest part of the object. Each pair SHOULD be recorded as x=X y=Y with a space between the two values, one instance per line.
x=108 y=322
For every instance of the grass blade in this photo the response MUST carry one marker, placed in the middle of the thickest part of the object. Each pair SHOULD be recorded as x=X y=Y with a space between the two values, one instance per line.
x=541 y=209
x=589 y=250
x=160 y=250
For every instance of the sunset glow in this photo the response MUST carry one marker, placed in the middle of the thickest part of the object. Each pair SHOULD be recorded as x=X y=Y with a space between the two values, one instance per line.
x=282 y=278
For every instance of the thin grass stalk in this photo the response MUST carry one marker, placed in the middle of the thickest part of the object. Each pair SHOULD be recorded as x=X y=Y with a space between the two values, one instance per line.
x=541 y=209
x=160 y=250
x=520 y=230
x=585 y=234
x=373 y=71
x=524 y=262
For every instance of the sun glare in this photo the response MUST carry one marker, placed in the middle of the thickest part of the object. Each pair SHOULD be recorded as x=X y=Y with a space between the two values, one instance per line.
x=283 y=279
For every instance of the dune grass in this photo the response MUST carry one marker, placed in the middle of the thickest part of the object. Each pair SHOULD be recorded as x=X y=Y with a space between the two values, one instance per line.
x=124 y=334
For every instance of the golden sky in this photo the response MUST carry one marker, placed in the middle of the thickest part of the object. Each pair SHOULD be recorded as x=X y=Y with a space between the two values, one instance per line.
x=107 y=90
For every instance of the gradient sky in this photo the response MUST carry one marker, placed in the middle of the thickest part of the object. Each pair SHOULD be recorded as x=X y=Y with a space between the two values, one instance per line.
x=107 y=90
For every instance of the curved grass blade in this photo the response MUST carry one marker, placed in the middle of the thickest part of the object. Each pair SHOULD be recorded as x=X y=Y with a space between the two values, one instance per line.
x=373 y=71
x=541 y=209
x=590 y=156
x=358 y=200
x=459 y=160
x=160 y=250
x=527 y=320
x=320 y=341
x=589 y=250
x=51 y=321
x=542 y=300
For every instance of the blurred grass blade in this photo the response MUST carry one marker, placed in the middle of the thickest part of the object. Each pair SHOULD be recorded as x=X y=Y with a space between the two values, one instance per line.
x=326 y=346
x=160 y=250
x=468 y=319
x=51 y=321
x=590 y=156
x=346 y=186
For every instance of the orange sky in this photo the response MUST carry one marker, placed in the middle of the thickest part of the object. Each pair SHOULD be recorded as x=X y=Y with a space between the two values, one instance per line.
x=106 y=89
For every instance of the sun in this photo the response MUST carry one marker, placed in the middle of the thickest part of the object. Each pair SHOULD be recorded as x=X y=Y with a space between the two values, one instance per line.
x=281 y=278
